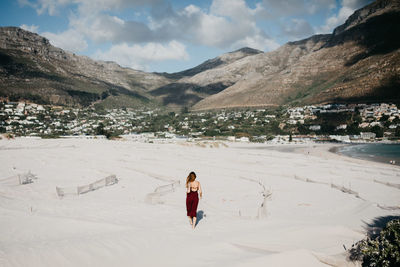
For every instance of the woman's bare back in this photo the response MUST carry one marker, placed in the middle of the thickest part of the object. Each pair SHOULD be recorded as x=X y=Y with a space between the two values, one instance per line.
x=194 y=186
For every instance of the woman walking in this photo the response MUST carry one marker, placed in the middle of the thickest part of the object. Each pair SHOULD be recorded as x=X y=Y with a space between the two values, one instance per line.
x=192 y=198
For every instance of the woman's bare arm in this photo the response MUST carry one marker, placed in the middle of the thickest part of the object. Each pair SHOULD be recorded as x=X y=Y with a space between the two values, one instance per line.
x=200 y=191
x=188 y=188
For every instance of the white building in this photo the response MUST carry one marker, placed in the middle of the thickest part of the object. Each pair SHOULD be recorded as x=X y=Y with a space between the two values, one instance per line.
x=341 y=127
x=367 y=135
x=315 y=127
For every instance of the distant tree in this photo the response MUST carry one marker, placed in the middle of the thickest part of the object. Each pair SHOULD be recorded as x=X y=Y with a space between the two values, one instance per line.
x=40 y=116
x=377 y=130
x=270 y=137
x=290 y=137
x=387 y=123
x=384 y=117
x=357 y=118
x=397 y=132
x=302 y=129
x=353 y=129
x=99 y=109
x=328 y=128
x=185 y=110
x=242 y=134
x=100 y=129
x=104 y=95
x=211 y=132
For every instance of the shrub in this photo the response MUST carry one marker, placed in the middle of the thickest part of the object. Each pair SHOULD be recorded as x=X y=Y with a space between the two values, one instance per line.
x=50 y=136
x=9 y=136
x=384 y=250
x=377 y=130
x=397 y=132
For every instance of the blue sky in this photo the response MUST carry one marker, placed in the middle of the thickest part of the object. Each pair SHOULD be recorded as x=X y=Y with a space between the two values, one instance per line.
x=170 y=36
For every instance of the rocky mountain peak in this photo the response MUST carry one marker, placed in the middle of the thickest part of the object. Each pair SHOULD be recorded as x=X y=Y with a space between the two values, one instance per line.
x=9 y=34
x=374 y=9
x=248 y=51
x=17 y=39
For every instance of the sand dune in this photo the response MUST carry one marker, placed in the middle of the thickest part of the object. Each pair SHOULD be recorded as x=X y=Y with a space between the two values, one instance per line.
x=261 y=207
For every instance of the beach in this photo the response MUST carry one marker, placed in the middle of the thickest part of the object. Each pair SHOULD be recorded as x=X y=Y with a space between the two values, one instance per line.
x=295 y=205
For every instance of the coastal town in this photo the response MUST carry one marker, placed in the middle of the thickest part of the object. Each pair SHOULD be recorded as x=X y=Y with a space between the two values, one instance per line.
x=331 y=122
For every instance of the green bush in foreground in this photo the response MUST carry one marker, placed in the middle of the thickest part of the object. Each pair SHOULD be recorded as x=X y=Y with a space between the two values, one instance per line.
x=383 y=251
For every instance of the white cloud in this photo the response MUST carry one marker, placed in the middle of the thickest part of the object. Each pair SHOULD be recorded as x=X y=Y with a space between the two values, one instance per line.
x=45 y=6
x=139 y=57
x=257 y=42
x=298 y=28
x=31 y=28
x=52 y=7
x=69 y=40
x=227 y=23
x=279 y=8
x=235 y=9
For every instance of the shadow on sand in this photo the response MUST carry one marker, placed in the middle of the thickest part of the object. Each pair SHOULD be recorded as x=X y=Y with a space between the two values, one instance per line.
x=200 y=214
x=375 y=227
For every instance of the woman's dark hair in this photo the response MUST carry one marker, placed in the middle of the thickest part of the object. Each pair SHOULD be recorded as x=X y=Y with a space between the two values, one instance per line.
x=191 y=177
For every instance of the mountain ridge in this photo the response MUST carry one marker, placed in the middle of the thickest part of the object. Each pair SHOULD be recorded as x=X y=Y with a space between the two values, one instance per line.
x=358 y=61
x=31 y=68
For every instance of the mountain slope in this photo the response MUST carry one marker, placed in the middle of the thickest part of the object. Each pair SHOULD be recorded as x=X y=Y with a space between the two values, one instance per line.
x=186 y=90
x=360 y=61
x=31 y=68
x=219 y=61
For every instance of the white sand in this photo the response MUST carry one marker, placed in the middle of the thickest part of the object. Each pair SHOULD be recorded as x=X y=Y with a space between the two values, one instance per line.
x=306 y=224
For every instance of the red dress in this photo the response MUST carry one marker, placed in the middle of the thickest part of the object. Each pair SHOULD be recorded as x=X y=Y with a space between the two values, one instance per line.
x=192 y=200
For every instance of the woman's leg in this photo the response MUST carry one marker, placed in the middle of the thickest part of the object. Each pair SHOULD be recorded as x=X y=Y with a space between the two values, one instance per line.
x=190 y=220
x=194 y=222
x=194 y=210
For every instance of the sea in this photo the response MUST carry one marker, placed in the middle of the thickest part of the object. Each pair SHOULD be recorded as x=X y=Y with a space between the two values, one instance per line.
x=386 y=153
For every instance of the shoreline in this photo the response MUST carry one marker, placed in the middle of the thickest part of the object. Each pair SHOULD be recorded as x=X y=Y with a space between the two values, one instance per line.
x=333 y=149
x=366 y=156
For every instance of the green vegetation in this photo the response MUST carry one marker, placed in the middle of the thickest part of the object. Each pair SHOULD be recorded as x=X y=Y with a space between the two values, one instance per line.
x=382 y=251
x=377 y=130
x=302 y=92
x=107 y=133
x=397 y=132
x=258 y=125
x=49 y=136
x=119 y=101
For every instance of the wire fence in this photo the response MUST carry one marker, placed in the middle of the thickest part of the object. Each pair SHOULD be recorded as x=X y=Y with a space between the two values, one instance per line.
x=266 y=194
x=78 y=190
x=22 y=179
x=155 y=197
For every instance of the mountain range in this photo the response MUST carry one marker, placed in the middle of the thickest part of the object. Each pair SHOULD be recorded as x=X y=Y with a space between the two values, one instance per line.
x=358 y=62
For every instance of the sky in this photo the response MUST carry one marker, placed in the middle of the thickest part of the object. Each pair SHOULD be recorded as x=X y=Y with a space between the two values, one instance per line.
x=171 y=36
